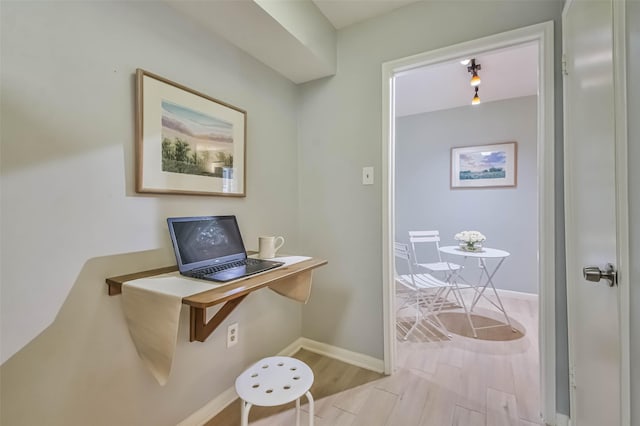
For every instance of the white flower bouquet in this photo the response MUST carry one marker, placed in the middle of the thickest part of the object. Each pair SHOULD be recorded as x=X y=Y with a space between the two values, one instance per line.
x=470 y=240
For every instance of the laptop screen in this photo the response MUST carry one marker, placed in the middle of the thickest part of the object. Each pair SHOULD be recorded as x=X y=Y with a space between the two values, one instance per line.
x=204 y=241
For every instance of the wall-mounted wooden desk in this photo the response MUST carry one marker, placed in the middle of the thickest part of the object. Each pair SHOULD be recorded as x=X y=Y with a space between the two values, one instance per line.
x=283 y=280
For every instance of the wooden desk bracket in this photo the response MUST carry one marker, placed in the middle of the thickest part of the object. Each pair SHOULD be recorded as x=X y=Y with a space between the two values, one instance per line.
x=200 y=329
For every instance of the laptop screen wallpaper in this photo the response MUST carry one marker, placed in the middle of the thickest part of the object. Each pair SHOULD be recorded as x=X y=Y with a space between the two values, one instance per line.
x=207 y=239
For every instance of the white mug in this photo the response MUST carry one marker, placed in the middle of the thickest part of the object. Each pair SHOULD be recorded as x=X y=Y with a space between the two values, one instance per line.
x=267 y=246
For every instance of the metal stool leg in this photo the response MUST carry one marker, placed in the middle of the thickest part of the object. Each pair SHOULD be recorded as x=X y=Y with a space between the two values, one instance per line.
x=298 y=412
x=244 y=412
x=311 y=407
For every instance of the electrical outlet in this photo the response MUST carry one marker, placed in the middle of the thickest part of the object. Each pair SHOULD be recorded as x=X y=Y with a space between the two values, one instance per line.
x=232 y=334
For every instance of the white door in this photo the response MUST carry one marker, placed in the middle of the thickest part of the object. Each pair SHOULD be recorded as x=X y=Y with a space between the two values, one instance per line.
x=590 y=202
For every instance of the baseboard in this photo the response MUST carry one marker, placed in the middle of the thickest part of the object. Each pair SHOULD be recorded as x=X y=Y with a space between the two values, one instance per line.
x=353 y=358
x=219 y=403
x=562 y=420
x=517 y=294
x=294 y=347
x=212 y=408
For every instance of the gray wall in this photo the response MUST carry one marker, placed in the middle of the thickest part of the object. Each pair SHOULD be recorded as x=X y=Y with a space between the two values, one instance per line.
x=633 y=90
x=506 y=216
x=69 y=211
x=340 y=132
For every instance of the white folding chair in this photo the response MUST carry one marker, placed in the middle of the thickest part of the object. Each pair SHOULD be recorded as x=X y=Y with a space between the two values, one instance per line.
x=431 y=238
x=447 y=270
x=423 y=293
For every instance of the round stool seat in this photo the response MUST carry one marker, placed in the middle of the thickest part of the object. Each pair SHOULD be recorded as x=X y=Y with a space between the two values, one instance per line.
x=273 y=381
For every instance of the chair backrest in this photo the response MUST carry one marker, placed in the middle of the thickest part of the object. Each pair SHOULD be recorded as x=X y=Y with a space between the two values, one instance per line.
x=401 y=251
x=418 y=237
x=412 y=280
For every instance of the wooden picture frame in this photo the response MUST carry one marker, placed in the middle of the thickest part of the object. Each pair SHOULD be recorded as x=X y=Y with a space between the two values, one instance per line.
x=187 y=142
x=484 y=166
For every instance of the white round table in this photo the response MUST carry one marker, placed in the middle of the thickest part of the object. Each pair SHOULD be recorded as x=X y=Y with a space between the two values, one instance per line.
x=481 y=255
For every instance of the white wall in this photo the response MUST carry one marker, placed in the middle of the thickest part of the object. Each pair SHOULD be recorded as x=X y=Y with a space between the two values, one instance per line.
x=71 y=218
x=507 y=216
x=340 y=132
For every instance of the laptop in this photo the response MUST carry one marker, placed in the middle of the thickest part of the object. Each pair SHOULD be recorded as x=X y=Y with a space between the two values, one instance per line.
x=211 y=248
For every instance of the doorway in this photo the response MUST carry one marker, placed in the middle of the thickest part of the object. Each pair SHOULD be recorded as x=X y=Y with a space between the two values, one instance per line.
x=541 y=36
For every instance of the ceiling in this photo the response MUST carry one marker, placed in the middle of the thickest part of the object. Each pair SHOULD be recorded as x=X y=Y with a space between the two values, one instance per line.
x=342 y=13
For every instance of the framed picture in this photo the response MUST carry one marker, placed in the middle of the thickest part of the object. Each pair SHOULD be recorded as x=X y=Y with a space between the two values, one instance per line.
x=187 y=142
x=484 y=166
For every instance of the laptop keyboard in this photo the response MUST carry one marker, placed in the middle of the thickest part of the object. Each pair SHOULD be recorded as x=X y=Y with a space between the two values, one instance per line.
x=213 y=269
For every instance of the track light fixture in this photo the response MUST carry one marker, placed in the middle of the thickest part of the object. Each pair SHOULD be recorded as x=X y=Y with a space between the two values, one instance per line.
x=475 y=80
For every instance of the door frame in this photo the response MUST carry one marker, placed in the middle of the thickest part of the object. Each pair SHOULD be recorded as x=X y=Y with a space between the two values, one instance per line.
x=542 y=34
x=622 y=210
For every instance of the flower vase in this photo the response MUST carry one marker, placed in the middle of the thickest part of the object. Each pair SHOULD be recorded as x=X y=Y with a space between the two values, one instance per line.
x=471 y=246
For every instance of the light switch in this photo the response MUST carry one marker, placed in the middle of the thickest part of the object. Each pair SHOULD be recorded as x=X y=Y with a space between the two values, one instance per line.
x=367 y=175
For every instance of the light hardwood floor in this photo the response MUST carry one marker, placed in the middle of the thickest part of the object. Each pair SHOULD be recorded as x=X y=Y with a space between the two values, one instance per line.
x=488 y=381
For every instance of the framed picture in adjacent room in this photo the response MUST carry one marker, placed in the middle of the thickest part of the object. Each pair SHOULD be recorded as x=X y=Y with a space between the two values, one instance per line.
x=484 y=166
x=187 y=142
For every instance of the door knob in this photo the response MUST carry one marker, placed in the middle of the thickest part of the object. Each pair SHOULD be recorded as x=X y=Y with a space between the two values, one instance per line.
x=595 y=274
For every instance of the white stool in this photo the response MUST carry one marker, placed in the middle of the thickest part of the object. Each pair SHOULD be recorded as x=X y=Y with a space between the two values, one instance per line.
x=275 y=381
